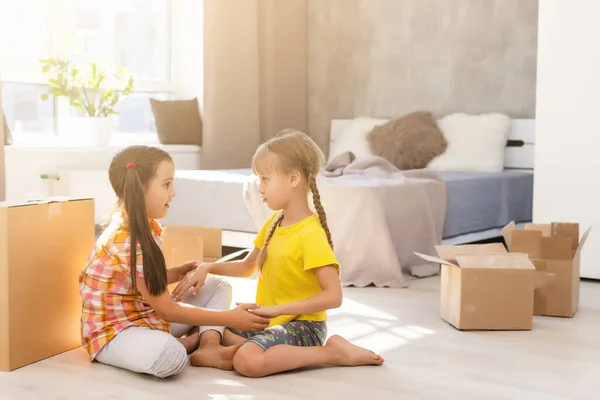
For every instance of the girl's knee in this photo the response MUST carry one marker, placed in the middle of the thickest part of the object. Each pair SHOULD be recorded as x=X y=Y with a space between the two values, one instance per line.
x=171 y=361
x=218 y=283
x=249 y=361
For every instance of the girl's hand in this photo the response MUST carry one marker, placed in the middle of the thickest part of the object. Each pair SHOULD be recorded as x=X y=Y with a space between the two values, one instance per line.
x=184 y=269
x=268 y=312
x=244 y=318
x=194 y=279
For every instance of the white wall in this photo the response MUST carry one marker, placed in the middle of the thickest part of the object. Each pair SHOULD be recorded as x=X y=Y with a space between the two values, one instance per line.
x=567 y=165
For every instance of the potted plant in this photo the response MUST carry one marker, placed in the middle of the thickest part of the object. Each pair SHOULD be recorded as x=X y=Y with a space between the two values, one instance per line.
x=95 y=104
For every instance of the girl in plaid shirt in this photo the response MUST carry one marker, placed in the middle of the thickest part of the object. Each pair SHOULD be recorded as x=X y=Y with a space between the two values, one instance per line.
x=129 y=318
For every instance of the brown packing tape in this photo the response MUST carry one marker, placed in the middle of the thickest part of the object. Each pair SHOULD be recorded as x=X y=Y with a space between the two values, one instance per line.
x=53 y=210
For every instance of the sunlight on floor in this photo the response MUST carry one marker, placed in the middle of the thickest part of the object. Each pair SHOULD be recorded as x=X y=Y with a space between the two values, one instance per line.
x=361 y=324
x=228 y=382
x=356 y=308
x=378 y=332
x=380 y=342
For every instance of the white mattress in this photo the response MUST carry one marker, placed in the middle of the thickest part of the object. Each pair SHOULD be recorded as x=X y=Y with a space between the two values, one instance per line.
x=211 y=198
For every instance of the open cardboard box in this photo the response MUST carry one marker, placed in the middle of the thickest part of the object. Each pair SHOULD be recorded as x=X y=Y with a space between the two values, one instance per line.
x=556 y=249
x=483 y=287
x=191 y=243
x=181 y=244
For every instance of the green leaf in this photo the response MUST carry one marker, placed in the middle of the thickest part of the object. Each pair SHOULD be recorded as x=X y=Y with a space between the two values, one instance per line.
x=44 y=96
x=99 y=81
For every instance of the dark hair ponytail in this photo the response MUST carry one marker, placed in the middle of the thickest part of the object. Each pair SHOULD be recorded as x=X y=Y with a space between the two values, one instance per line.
x=130 y=172
x=155 y=270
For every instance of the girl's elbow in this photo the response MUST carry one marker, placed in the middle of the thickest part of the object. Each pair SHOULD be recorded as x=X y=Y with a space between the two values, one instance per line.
x=337 y=301
x=166 y=313
x=250 y=270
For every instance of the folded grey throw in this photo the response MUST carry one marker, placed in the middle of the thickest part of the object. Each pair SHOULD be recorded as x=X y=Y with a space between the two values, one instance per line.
x=348 y=164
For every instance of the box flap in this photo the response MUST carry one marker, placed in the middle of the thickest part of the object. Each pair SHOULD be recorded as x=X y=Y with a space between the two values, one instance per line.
x=567 y=230
x=546 y=229
x=434 y=259
x=582 y=242
x=507 y=232
x=450 y=253
x=528 y=242
x=496 y=261
x=556 y=248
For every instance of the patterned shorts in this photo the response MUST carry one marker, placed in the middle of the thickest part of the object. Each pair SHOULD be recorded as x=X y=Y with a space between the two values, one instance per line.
x=294 y=333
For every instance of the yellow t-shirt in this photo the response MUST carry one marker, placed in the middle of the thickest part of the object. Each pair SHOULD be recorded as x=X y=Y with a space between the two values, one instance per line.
x=288 y=274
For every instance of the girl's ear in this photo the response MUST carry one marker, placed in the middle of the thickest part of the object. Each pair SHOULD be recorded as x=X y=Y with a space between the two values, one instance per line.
x=295 y=178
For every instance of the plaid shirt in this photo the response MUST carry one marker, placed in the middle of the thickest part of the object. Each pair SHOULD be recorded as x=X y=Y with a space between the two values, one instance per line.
x=109 y=304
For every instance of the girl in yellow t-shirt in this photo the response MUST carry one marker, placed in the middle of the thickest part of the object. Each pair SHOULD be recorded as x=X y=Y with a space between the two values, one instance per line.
x=298 y=271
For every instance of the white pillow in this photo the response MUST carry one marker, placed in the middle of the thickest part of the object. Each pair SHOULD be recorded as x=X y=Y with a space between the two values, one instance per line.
x=475 y=143
x=353 y=137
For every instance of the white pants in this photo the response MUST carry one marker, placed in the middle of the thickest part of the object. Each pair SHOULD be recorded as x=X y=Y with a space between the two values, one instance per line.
x=144 y=350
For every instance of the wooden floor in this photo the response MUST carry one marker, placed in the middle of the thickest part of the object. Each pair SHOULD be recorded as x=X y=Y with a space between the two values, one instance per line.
x=425 y=359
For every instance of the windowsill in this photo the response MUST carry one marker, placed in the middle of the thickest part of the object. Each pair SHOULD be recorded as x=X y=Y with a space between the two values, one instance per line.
x=50 y=142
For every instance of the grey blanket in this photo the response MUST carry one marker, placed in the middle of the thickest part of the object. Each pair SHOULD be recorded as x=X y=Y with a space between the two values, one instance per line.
x=347 y=164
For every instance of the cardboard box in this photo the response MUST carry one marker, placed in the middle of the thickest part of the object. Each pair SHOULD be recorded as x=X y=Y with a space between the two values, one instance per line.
x=556 y=249
x=43 y=248
x=191 y=243
x=483 y=287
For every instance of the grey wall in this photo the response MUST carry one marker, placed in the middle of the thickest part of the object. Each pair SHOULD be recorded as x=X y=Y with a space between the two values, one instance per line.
x=384 y=58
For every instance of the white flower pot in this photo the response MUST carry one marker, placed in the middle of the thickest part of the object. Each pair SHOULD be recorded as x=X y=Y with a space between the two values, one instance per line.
x=87 y=131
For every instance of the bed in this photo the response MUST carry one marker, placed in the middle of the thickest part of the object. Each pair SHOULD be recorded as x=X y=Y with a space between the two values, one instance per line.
x=478 y=204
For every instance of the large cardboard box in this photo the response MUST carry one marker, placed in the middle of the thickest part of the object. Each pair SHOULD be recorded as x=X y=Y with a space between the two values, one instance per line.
x=483 y=287
x=43 y=248
x=556 y=249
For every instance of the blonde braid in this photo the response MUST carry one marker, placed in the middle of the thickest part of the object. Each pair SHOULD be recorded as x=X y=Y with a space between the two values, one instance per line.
x=312 y=182
x=262 y=256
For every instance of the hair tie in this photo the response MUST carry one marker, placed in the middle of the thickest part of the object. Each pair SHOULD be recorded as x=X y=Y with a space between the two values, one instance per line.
x=130 y=165
x=266 y=243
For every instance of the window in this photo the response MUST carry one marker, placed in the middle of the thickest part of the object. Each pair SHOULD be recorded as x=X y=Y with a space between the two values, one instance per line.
x=133 y=34
x=24 y=111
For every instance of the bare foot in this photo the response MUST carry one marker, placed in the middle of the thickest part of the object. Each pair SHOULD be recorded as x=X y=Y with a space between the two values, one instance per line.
x=190 y=340
x=215 y=356
x=350 y=355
